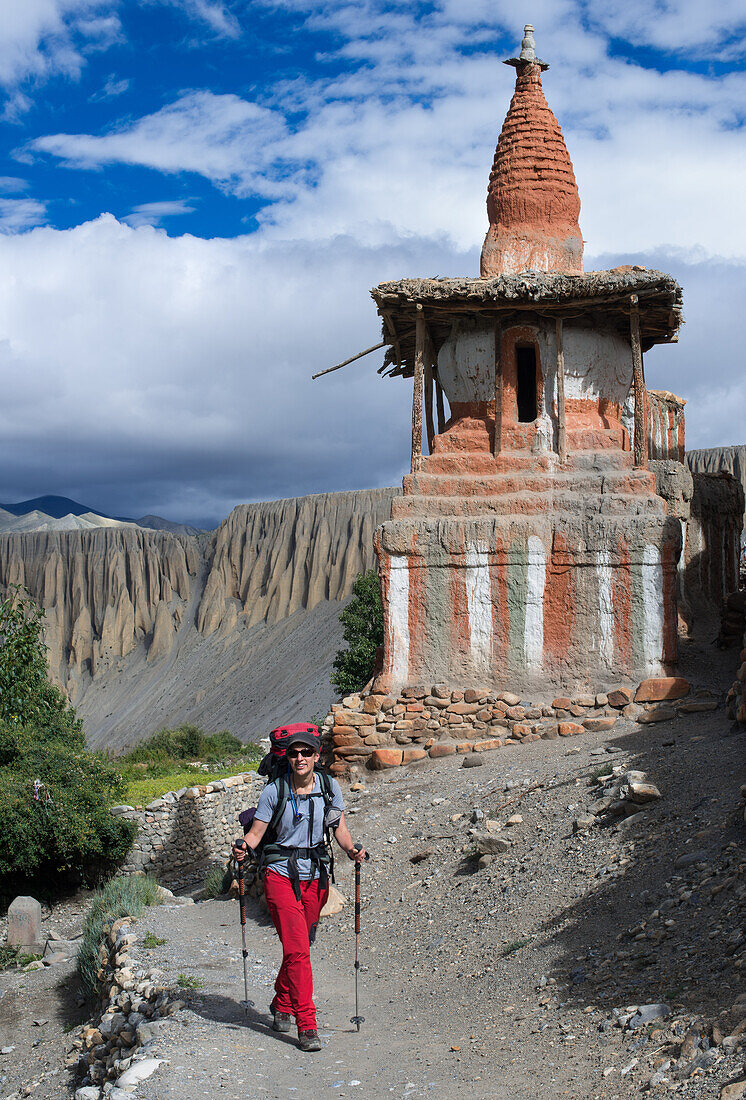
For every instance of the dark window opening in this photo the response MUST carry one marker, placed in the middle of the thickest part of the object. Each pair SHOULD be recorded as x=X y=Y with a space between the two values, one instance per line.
x=526 y=384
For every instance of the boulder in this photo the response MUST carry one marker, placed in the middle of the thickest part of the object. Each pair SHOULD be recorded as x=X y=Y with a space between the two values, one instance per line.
x=381 y=759
x=657 y=689
x=334 y=903
x=487 y=844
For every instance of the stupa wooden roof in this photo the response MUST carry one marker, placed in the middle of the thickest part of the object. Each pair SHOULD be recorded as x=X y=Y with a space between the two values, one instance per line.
x=596 y=298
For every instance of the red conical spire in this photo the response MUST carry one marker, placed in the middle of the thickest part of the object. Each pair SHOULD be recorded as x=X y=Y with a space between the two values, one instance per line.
x=532 y=199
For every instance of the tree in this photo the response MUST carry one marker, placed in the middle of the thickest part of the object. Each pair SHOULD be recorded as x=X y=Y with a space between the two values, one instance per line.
x=26 y=695
x=362 y=620
x=55 y=796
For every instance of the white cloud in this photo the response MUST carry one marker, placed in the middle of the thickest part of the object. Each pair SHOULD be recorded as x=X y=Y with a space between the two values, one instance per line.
x=17 y=215
x=40 y=37
x=214 y=15
x=12 y=185
x=174 y=374
x=111 y=90
x=402 y=142
x=153 y=213
x=221 y=137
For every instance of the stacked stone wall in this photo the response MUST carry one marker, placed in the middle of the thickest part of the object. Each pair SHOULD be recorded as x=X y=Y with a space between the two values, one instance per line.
x=185 y=832
x=379 y=732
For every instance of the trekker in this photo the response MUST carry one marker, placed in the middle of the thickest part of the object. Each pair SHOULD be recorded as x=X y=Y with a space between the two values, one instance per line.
x=296 y=878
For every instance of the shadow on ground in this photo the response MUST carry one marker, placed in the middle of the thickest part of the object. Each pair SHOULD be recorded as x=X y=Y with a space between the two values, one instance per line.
x=614 y=950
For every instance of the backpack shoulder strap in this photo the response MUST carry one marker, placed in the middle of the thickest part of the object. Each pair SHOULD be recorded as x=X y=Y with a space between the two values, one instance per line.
x=325 y=782
x=281 y=783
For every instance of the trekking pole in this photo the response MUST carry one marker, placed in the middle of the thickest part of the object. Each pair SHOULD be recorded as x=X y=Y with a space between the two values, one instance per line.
x=357 y=1019
x=242 y=905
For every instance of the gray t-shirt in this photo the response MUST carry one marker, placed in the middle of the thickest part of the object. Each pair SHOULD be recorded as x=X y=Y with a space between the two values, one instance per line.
x=297 y=836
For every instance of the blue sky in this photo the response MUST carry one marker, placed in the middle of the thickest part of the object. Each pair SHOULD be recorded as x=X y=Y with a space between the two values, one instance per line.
x=196 y=196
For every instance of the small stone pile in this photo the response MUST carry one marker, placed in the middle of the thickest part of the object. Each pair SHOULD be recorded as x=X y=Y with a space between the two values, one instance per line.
x=386 y=731
x=132 y=1000
x=623 y=798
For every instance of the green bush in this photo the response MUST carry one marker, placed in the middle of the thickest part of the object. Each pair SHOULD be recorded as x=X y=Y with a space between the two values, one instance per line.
x=217 y=881
x=54 y=795
x=55 y=807
x=121 y=897
x=362 y=620
x=166 y=747
x=26 y=695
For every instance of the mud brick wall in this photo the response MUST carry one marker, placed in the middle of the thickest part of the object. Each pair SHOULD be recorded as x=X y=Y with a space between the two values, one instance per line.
x=666 y=426
x=182 y=834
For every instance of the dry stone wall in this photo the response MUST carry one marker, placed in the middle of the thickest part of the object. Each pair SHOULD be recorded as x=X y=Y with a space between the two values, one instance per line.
x=185 y=832
x=385 y=731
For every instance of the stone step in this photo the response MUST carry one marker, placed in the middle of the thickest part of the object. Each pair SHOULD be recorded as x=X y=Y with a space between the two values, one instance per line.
x=586 y=482
x=521 y=504
x=484 y=462
x=474 y=436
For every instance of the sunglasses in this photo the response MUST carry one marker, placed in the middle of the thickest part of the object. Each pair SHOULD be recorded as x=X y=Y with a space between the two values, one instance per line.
x=293 y=754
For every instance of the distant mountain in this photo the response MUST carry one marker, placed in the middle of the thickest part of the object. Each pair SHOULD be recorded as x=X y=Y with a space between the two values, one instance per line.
x=158 y=523
x=40 y=514
x=40 y=521
x=56 y=507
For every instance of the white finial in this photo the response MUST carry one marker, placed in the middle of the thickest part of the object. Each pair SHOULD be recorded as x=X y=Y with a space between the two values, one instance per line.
x=528 y=50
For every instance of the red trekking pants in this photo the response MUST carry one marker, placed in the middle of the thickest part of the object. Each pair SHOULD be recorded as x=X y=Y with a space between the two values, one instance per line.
x=294 y=921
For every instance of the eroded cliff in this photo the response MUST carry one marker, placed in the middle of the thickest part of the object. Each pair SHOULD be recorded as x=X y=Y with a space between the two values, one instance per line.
x=148 y=627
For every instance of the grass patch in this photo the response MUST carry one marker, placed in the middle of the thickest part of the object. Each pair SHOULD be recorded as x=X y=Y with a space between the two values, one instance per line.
x=121 y=897
x=15 y=956
x=142 y=791
x=604 y=772
x=217 y=881
x=151 y=940
x=183 y=757
x=513 y=946
x=187 y=981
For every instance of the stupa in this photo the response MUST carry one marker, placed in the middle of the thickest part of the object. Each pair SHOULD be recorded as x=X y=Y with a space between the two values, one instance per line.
x=529 y=550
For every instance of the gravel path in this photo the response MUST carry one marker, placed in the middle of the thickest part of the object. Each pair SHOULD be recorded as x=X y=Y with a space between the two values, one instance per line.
x=483 y=983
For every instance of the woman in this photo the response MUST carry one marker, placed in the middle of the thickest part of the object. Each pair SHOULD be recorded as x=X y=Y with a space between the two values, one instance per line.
x=295 y=873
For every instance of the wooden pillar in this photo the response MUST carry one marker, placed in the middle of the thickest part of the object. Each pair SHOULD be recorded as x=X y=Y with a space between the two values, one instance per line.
x=498 y=440
x=561 y=431
x=419 y=370
x=638 y=379
x=440 y=406
x=429 y=400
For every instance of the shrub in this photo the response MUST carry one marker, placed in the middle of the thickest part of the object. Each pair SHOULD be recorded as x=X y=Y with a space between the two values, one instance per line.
x=362 y=620
x=121 y=897
x=187 y=742
x=217 y=881
x=54 y=806
x=26 y=696
x=54 y=795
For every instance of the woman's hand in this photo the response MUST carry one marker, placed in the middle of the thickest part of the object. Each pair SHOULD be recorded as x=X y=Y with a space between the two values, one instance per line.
x=240 y=850
x=358 y=854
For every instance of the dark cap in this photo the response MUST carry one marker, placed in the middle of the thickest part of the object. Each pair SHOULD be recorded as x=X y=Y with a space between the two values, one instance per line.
x=305 y=735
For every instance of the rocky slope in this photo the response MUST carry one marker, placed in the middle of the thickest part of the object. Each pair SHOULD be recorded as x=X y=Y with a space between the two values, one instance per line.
x=714 y=460
x=148 y=627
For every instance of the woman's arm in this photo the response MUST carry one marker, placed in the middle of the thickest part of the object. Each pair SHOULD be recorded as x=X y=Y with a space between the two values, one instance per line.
x=346 y=843
x=251 y=840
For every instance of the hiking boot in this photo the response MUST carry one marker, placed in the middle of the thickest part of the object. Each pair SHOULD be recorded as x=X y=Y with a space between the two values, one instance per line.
x=281 y=1021
x=309 y=1040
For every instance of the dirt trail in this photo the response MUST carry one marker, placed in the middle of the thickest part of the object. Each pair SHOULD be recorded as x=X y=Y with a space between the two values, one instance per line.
x=488 y=983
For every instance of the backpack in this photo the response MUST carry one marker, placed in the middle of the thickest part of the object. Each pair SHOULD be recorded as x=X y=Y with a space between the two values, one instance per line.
x=275 y=762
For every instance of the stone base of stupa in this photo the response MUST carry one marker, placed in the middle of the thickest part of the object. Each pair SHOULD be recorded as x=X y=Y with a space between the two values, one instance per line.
x=521 y=574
